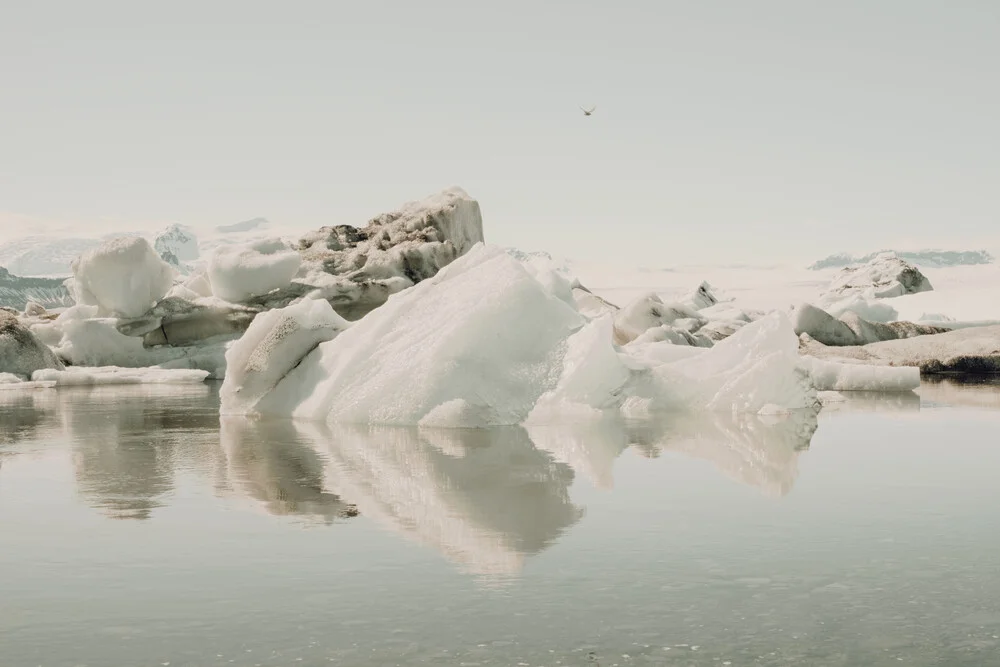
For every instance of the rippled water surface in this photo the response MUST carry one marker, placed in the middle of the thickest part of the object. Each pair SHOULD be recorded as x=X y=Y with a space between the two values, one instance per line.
x=137 y=528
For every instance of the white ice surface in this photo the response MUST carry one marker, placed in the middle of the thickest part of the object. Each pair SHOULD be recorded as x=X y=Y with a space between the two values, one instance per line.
x=122 y=277
x=275 y=343
x=481 y=340
x=237 y=273
x=834 y=376
x=114 y=375
x=97 y=342
x=484 y=343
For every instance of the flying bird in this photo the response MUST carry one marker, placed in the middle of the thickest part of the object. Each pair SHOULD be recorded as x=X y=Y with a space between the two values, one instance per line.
x=587 y=112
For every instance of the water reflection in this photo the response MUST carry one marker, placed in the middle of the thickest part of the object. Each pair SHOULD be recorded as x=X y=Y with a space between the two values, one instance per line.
x=269 y=462
x=485 y=499
x=22 y=413
x=971 y=392
x=759 y=451
x=126 y=442
x=870 y=401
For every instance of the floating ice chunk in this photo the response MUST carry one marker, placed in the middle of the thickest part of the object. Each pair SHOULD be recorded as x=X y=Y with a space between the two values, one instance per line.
x=115 y=375
x=275 y=343
x=822 y=326
x=755 y=367
x=594 y=375
x=21 y=351
x=123 y=276
x=97 y=343
x=10 y=378
x=238 y=273
x=871 y=309
x=833 y=376
x=885 y=276
x=702 y=297
x=647 y=312
x=197 y=286
x=482 y=331
x=971 y=350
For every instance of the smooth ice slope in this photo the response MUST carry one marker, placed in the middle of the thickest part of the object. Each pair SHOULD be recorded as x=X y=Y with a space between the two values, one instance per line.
x=238 y=273
x=122 y=277
x=274 y=344
x=476 y=345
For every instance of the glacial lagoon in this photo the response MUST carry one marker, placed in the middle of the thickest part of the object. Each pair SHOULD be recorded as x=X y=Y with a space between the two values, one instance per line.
x=138 y=528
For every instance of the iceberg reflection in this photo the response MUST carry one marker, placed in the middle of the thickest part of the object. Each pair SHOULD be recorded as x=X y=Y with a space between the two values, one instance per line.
x=759 y=451
x=127 y=442
x=485 y=498
x=269 y=462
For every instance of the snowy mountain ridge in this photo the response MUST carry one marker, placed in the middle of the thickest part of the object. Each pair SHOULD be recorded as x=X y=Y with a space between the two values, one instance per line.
x=16 y=292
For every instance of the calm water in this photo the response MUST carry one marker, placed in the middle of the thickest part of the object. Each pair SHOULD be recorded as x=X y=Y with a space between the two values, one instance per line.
x=136 y=529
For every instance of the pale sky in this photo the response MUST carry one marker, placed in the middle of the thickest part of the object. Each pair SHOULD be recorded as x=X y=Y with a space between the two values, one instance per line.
x=757 y=131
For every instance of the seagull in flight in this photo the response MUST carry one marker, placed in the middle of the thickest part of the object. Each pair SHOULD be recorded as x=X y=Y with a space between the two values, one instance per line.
x=587 y=112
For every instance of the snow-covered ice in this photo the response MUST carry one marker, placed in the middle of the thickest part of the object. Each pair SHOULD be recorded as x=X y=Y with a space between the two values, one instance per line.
x=971 y=350
x=485 y=343
x=883 y=277
x=122 y=277
x=237 y=273
x=274 y=344
x=113 y=375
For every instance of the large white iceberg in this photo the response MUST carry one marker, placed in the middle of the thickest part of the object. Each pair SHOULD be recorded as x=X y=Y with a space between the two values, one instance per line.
x=477 y=344
x=122 y=277
x=486 y=343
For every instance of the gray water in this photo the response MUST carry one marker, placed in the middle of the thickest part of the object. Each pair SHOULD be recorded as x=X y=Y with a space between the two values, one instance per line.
x=137 y=529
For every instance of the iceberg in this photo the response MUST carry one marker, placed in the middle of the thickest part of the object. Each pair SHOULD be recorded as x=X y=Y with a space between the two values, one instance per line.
x=237 y=273
x=485 y=343
x=481 y=339
x=851 y=329
x=21 y=351
x=970 y=350
x=275 y=343
x=113 y=375
x=885 y=276
x=122 y=277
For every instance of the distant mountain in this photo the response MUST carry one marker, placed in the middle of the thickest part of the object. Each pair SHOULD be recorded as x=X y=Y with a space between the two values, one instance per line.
x=925 y=258
x=43 y=255
x=245 y=226
x=16 y=292
x=178 y=242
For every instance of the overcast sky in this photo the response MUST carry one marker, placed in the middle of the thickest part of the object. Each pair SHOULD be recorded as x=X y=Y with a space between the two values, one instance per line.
x=763 y=130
